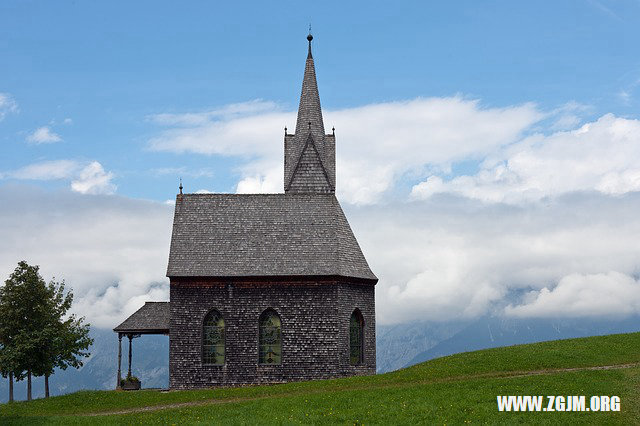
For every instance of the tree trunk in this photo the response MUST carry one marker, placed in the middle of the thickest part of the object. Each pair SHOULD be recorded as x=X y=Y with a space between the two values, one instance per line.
x=46 y=385
x=10 y=387
x=28 y=385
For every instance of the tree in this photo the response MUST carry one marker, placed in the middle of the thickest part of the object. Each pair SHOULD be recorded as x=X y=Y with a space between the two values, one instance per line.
x=63 y=341
x=8 y=365
x=20 y=299
x=35 y=336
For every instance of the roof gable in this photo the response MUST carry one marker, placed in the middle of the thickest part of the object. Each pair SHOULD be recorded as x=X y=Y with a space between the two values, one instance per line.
x=257 y=235
x=309 y=175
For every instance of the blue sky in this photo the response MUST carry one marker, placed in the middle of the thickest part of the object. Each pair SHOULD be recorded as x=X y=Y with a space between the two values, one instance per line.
x=450 y=117
x=109 y=66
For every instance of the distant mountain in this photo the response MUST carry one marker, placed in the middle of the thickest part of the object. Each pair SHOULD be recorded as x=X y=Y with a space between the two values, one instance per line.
x=490 y=332
x=150 y=364
x=396 y=345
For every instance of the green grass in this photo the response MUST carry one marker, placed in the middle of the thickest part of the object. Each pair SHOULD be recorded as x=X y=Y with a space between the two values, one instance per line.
x=451 y=390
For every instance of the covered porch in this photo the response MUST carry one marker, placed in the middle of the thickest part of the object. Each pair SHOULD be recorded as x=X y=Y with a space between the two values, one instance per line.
x=151 y=318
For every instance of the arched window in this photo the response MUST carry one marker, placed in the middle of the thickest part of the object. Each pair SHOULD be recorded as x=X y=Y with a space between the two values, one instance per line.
x=270 y=338
x=356 y=338
x=213 y=339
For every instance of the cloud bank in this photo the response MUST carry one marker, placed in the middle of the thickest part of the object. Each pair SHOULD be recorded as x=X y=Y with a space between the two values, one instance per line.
x=600 y=155
x=376 y=144
x=548 y=198
x=462 y=210
x=450 y=257
x=112 y=251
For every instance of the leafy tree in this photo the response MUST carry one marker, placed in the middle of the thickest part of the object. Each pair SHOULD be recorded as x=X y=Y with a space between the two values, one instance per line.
x=63 y=342
x=35 y=336
x=20 y=299
x=8 y=365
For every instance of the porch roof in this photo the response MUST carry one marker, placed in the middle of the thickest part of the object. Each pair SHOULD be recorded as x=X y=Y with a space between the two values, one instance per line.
x=152 y=318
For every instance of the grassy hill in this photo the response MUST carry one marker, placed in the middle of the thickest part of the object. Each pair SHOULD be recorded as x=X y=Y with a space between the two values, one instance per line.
x=456 y=389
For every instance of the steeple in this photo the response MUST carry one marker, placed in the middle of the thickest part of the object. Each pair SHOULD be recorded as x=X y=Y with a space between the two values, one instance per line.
x=309 y=110
x=309 y=163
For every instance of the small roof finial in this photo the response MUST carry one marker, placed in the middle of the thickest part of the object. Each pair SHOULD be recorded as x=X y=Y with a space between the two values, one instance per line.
x=333 y=129
x=285 y=130
x=180 y=187
x=310 y=37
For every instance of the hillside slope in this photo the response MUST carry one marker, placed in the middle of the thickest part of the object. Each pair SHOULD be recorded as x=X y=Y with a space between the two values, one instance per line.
x=493 y=332
x=455 y=389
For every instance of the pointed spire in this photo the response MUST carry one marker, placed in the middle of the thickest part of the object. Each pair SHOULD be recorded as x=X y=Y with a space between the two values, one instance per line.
x=309 y=164
x=309 y=110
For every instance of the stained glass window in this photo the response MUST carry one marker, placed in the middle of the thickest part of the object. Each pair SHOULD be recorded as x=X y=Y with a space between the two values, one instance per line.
x=270 y=338
x=356 y=338
x=213 y=339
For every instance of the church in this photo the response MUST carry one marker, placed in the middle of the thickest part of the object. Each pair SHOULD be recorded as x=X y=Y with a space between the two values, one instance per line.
x=267 y=288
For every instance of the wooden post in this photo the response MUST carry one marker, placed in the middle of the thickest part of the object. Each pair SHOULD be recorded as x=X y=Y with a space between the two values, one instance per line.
x=130 y=339
x=46 y=385
x=119 y=360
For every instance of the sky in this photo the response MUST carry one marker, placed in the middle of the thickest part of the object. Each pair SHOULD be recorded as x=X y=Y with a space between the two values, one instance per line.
x=486 y=151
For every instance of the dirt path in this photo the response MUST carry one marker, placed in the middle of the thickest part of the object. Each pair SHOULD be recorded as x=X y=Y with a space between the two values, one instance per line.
x=497 y=375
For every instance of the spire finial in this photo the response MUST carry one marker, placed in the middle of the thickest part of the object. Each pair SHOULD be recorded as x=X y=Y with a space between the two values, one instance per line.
x=310 y=37
x=180 y=187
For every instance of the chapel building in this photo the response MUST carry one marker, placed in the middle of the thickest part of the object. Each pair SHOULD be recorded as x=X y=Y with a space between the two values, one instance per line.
x=268 y=288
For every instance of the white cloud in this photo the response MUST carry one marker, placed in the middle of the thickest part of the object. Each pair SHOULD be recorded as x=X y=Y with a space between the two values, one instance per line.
x=7 y=105
x=227 y=112
x=376 y=144
x=43 y=135
x=86 y=178
x=448 y=257
x=553 y=198
x=245 y=136
x=183 y=171
x=93 y=179
x=568 y=116
x=547 y=214
x=598 y=156
x=67 y=121
x=624 y=96
x=45 y=170
x=111 y=250
x=584 y=295
x=262 y=177
x=438 y=259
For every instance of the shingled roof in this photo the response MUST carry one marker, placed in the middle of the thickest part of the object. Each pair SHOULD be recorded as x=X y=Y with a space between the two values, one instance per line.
x=152 y=318
x=261 y=235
